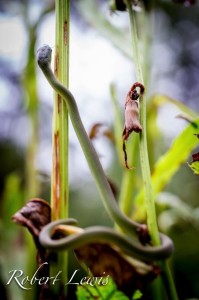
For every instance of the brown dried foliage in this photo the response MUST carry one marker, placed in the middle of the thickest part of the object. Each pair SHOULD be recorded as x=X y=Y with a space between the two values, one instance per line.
x=101 y=257
x=131 y=116
x=34 y=216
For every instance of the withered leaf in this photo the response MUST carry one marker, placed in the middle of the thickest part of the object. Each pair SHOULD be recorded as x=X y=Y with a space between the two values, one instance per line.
x=126 y=157
x=94 y=130
x=99 y=130
x=132 y=123
x=34 y=216
x=102 y=258
x=131 y=116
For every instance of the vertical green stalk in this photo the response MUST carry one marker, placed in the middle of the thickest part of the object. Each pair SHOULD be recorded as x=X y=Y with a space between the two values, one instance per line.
x=168 y=281
x=129 y=178
x=118 y=124
x=146 y=174
x=32 y=184
x=128 y=181
x=59 y=181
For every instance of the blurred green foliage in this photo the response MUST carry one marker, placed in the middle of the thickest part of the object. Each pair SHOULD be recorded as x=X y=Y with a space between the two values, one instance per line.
x=104 y=292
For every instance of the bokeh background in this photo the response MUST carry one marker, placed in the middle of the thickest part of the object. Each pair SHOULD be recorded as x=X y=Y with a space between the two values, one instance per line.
x=99 y=56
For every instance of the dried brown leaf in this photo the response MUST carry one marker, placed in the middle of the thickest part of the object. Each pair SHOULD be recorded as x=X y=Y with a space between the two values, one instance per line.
x=98 y=130
x=95 y=130
x=131 y=116
x=102 y=258
x=34 y=216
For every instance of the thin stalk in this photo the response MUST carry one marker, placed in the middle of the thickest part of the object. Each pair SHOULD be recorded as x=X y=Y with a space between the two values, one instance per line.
x=128 y=179
x=59 y=180
x=168 y=281
x=118 y=124
x=146 y=174
x=32 y=184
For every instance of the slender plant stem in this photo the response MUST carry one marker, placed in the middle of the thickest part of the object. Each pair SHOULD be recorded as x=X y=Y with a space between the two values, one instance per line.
x=30 y=84
x=145 y=168
x=59 y=192
x=129 y=179
x=118 y=123
x=59 y=181
x=168 y=281
x=146 y=174
x=32 y=184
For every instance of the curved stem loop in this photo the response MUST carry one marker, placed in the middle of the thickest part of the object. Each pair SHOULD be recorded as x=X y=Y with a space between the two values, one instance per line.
x=103 y=234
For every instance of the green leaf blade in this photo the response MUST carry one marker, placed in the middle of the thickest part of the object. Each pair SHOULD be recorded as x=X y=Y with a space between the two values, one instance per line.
x=169 y=163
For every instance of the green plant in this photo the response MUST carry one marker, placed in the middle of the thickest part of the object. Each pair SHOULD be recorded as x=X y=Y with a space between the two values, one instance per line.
x=132 y=235
x=44 y=59
x=59 y=178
